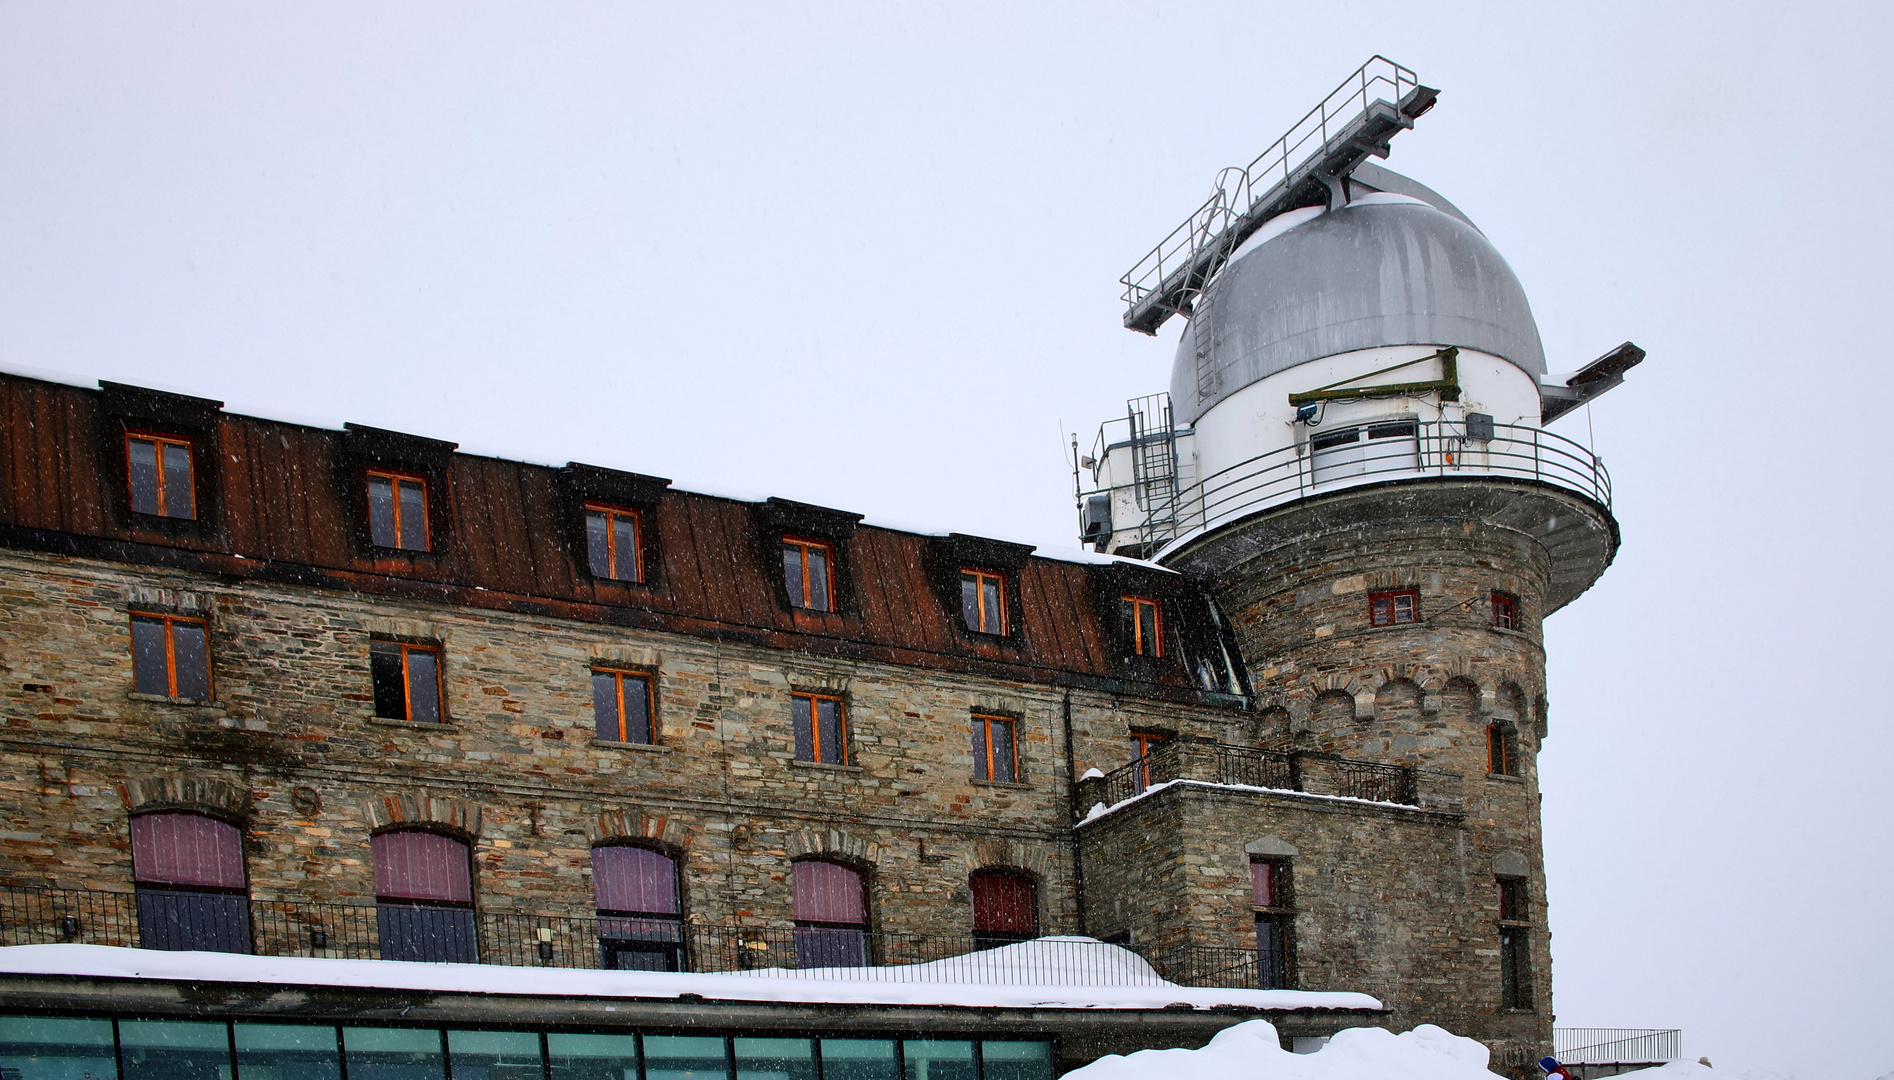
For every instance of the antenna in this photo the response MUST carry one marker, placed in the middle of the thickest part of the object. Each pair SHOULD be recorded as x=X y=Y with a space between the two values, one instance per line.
x=1308 y=166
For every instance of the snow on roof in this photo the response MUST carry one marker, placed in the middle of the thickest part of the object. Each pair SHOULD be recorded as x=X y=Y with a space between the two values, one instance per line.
x=1029 y=967
x=1251 y=1051
x=1099 y=810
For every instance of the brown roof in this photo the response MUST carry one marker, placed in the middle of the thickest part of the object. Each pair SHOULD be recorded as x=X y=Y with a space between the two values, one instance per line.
x=286 y=502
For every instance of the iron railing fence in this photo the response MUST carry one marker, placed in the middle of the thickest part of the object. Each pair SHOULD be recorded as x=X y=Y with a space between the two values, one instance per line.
x=1223 y=763
x=32 y=915
x=1616 y=1046
x=1370 y=452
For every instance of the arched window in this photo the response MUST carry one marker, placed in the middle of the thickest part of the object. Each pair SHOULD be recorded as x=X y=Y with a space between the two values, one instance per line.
x=639 y=928
x=188 y=872
x=1005 y=908
x=831 y=914
x=424 y=897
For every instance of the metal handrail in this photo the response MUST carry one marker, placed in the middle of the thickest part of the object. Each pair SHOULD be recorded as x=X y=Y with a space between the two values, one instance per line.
x=1248 y=766
x=34 y=915
x=1437 y=449
x=1240 y=190
x=1616 y=1046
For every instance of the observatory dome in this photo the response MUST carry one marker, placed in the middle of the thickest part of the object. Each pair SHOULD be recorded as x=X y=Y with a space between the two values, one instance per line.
x=1383 y=271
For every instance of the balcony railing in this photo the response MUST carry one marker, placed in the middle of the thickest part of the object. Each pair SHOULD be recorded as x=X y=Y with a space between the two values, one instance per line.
x=1616 y=1046
x=36 y=916
x=1222 y=763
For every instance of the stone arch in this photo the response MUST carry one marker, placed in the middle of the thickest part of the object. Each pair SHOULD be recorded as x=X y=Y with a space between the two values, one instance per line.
x=834 y=844
x=187 y=791
x=1460 y=699
x=419 y=810
x=996 y=854
x=1509 y=704
x=1333 y=708
x=1397 y=699
x=634 y=824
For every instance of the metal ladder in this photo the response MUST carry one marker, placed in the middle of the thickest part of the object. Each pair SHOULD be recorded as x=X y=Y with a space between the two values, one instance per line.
x=1154 y=466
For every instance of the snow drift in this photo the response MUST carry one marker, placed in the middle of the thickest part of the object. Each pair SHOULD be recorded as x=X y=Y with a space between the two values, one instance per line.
x=1251 y=1051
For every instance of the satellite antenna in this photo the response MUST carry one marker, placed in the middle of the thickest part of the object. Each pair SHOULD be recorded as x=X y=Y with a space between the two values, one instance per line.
x=1308 y=166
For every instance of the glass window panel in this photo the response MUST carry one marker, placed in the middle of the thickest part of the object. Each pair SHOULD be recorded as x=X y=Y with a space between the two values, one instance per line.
x=143 y=461
x=598 y=543
x=287 y=1052
x=818 y=579
x=394 y=1054
x=1010 y=1060
x=775 y=1059
x=982 y=768
x=593 y=1057
x=413 y=515
x=829 y=716
x=792 y=575
x=605 y=705
x=684 y=1057
x=150 y=670
x=381 y=511
x=495 y=1055
x=859 y=1059
x=637 y=709
x=424 y=686
x=192 y=659
x=939 y=1059
x=805 y=728
x=174 y=1050
x=1002 y=736
x=384 y=669
x=990 y=605
x=625 y=547
x=57 y=1048
x=970 y=601
x=1148 y=642
x=179 y=498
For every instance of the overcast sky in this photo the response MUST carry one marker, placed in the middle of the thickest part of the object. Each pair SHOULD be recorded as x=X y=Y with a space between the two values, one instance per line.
x=866 y=256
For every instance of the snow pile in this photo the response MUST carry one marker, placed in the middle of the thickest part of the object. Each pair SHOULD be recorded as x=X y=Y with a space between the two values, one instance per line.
x=867 y=986
x=1676 y=1070
x=1251 y=1051
x=1046 y=961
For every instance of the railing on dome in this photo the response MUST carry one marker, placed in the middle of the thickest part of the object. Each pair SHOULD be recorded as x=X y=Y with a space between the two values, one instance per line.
x=1370 y=452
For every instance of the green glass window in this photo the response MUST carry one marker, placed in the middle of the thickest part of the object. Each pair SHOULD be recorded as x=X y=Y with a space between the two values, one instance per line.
x=173 y=1050
x=939 y=1059
x=683 y=1057
x=593 y=1057
x=775 y=1059
x=495 y=1055
x=56 y=1048
x=1010 y=1060
x=859 y=1059
x=287 y=1052
x=394 y=1053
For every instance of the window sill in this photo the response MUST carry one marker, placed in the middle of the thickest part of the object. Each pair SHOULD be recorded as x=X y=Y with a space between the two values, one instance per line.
x=825 y=766
x=181 y=702
x=1013 y=785
x=418 y=725
x=1506 y=777
x=639 y=747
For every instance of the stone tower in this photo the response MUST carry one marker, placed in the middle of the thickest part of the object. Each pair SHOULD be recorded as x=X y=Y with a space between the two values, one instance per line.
x=1353 y=458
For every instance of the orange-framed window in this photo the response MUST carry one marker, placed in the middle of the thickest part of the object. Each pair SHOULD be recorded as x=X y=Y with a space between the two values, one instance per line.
x=170 y=655
x=1142 y=744
x=621 y=706
x=983 y=601
x=995 y=749
x=1144 y=625
x=1505 y=611
x=1499 y=750
x=821 y=728
x=1394 y=606
x=808 y=573
x=397 y=511
x=613 y=540
x=158 y=469
x=407 y=681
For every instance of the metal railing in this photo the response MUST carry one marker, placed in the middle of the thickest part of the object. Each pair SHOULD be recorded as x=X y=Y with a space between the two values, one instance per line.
x=1616 y=1046
x=1283 y=770
x=1184 y=261
x=1370 y=452
x=32 y=915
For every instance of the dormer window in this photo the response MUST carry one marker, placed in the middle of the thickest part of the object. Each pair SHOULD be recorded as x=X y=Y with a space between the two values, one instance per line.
x=159 y=469
x=806 y=574
x=397 y=511
x=983 y=601
x=1143 y=625
x=612 y=540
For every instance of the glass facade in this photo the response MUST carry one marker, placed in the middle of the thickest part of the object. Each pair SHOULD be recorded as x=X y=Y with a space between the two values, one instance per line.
x=74 y=1048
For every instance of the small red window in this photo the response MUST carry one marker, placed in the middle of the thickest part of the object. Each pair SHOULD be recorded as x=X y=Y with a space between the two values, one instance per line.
x=1393 y=607
x=1512 y=899
x=1505 y=611
x=1268 y=883
x=1005 y=904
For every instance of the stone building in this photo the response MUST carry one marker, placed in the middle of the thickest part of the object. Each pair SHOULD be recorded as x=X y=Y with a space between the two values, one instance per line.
x=299 y=692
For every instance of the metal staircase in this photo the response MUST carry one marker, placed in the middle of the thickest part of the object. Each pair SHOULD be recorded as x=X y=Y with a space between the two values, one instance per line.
x=1154 y=465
